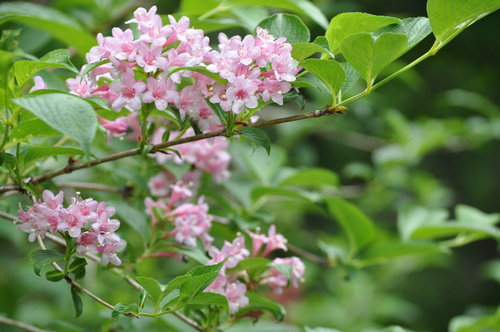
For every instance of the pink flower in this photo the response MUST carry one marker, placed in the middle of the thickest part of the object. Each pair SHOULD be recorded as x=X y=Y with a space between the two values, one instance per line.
x=118 y=127
x=236 y=298
x=109 y=248
x=128 y=91
x=258 y=240
x=161 y=91
x=150 y=56
x=277 y=281
x=159 y=185
x=242 y=94
x=274 y=241
x=39 y=84
x=191 y=222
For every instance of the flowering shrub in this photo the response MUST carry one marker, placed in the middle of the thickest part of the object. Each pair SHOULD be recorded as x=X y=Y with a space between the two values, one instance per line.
x=195 y=195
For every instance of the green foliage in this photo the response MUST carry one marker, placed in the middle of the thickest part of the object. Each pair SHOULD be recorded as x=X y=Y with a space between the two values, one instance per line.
x=289 y=26
x=65 y=113
x=40 y=258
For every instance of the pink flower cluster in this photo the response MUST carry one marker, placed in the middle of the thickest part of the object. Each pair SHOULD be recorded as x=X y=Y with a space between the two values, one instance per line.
x=87 y=221
x=230 y=283
x=251 y=68
x=208 y=155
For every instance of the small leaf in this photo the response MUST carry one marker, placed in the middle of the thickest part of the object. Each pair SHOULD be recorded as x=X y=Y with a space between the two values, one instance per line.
x=257 y=136
x=152 y=286
x=24 y=70
x=411 y=217
x=258 y=303
x=369 y=55
x=259 y=192
x=54 y=275
x=77 y=301
x=382 y=253
x=351 y=77
x=294 y=97
x=468 y=214
x=223 y=117
x=77 y=267
x=40 y=152
x=447 y=16
x=31 y=128
x=300 y=51
x=286 y=25
x=120 y=309
x=359 y=229
x=328 y=71
x=65 y=113
x=347 y=24
x=206 y=298
x=204 y=269
x=312 y=177
x=40 y=258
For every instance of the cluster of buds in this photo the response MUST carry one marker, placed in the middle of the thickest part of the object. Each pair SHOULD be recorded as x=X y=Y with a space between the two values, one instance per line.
x=86 y=221
x=250 y=68
x=230 y=282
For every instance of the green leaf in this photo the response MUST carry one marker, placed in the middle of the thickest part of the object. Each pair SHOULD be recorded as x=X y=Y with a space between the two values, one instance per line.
x=24 y=70
x=152 y=286
x=121 y=308
x=54 y=275
x=447 y=17
x=200 y=70
x=8 y=17
x=347 y=24
x=258 y=303
x=351 y=77
x=257 y=136
x=468 y=214
x=206 y=298
x=455 y=228
x=259 y=192
x=196 y=7
x=382 y=253
x=359 y=229
x=369 y=55
x=411 y=217
x=286 y=25
x=300 y=51
x=77 y=301
x=61 y=26
x=29 y=129
x=328 y=71
x=77 y=267
x=192 y=287
x=65 y=113
x=40 y=258
x=312 y=177
x=174 y=283
x=40 y=152
x=298 y=6
x=294 y=97
x=204 y=269
x=221 y=114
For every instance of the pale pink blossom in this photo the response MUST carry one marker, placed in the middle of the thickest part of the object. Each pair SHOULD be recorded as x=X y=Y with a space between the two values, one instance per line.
x=39 y=84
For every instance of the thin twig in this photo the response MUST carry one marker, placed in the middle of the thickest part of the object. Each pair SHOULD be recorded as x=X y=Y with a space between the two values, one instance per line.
x=312 y=257
x=159 y=147
x=20 y=325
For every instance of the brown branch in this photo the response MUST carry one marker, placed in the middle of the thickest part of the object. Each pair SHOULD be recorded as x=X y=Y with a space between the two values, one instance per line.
x=20 y=325
x=312 y=257
x=328 y=110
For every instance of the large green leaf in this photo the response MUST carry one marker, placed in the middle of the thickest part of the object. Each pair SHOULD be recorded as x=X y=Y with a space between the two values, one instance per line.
x=328 y=71
x=65 y=113
x=369 y=55
x=286 y=25
x=25 y=69
x=359 y=229
x=449 y=16
x=53 y=21
x=346 y=24
x=300 y=51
